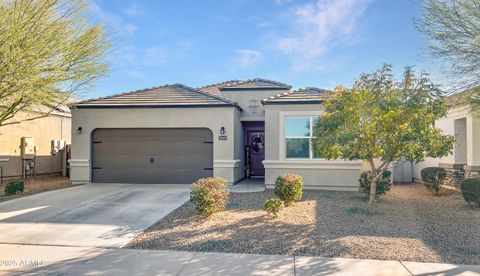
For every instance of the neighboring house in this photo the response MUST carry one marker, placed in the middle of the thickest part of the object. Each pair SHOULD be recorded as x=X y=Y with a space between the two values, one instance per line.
x=56 y=126
x=460 y=123
x=177 y=134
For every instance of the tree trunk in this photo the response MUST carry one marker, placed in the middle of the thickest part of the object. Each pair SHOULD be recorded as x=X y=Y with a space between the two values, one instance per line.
x=373 y=192
x=373 y=185
x=376 y=176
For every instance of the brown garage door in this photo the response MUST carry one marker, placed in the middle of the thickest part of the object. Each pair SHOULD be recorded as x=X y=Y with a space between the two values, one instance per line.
x=151 y=155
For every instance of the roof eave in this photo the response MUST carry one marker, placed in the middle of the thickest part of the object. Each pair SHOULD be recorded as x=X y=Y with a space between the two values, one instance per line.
x=291 y=102
x=97 y=106
x=253 y=88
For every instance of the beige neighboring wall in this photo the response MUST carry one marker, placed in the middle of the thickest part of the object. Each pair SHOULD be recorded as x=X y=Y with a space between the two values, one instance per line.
x=460 y=123
x=57 y=126
x=225 y=152
x=317 y=173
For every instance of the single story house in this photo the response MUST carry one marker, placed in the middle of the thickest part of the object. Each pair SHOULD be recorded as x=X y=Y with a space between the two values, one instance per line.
x=464 y=162
x=176 y=134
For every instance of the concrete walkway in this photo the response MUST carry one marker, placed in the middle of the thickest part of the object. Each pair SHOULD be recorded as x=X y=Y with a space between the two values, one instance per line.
x=66 y=260
x=253 y=185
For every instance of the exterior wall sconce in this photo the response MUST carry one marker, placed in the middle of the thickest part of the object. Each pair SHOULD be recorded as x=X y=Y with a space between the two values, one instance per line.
x=222 y=130
x=79 y=130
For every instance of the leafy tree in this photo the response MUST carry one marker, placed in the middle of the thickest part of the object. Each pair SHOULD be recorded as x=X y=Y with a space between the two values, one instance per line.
x=453 y=30
x=379 y=120
x=49 y=52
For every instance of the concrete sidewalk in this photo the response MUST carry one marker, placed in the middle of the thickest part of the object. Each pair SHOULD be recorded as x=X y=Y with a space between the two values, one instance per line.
x=67 y=260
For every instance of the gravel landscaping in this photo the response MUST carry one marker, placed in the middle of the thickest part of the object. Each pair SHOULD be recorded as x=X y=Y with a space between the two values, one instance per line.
x=37 y=185
x=409 y=224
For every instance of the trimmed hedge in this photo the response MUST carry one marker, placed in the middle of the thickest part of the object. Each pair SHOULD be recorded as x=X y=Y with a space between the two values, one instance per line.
x=383 y=184
x=288 y=187
x=14 y=187
x=471 y=190
x=433 y=178
x=210 y=195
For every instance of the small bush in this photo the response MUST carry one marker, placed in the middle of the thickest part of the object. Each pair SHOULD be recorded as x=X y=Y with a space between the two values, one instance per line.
x=210 y=195
x=471 y=190
x=383 y=184
x=14 y=187
x=288 y=187
x=433 y=178
x=273 y=206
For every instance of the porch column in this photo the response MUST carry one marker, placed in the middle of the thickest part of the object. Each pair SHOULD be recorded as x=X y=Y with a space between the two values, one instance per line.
x=472 y=169
x=473 y=141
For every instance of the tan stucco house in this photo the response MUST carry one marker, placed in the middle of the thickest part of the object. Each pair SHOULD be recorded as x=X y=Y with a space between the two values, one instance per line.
x=176 y=134
x=464 y=162
x=40 y=132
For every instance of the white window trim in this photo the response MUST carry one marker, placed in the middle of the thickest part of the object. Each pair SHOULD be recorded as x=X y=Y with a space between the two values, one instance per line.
x=282 y=137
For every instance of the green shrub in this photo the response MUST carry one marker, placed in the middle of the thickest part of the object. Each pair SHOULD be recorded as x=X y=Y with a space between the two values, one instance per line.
x=433 y=178
x=471 y=190
x=288 y=187
x=383 y=184
x=14 y=187
x=273 y=206
x=210 y=195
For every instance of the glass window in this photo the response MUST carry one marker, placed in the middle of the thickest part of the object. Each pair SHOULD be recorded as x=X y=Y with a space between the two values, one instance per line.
x=298 y=136
x=297 y=126
x=298 y=148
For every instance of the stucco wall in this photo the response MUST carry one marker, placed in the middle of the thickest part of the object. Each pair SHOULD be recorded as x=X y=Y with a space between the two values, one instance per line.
x=225 y=164
x=317 y=173
x=244 y=98
x=470 y=134
x=239 y=172
x=43 y=130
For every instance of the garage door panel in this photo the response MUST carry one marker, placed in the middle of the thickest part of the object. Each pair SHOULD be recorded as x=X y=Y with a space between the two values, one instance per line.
x=173 y=162
x=151 y=155
x=153 y=134
x=160 y=161
x=123 y=161
x=141 y=176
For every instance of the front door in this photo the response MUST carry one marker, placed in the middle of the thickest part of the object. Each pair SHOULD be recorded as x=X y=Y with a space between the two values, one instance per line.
x=256 y=141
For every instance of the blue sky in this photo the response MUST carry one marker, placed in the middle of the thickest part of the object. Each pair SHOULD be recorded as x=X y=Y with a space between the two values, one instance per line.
x=320 y=43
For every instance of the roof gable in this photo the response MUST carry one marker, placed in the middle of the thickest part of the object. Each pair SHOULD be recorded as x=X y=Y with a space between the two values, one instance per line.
x=171 y=95
x=309 y=95
x=255 y=84
x=461 y=98
x=252 y=84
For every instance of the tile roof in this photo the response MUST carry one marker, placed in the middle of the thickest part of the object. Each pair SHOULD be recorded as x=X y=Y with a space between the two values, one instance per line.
x=215 y=87
x=461 y=98
x=171 y=95
x=251 y=84
x=256 y=83
x=305 y=95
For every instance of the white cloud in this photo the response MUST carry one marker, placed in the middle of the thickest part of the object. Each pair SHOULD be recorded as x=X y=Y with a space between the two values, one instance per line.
x=316 y=28
x=130 y=29
x=115 y=22
x=247 y=58
x=133 y=9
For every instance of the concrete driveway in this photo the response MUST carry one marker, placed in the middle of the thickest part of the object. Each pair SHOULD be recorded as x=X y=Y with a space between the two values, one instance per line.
x=96 y=215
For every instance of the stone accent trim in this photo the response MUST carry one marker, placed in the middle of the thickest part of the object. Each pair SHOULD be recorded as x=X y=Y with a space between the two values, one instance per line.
x=455 y=174
x=471 y=171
